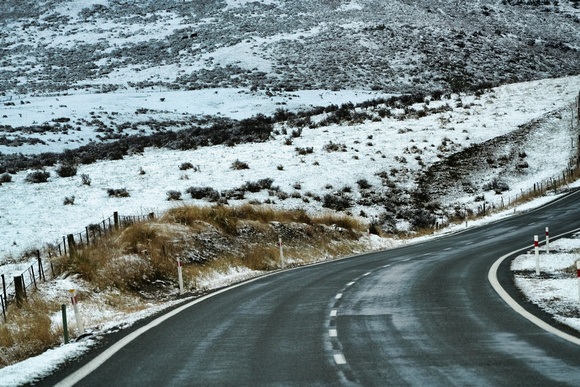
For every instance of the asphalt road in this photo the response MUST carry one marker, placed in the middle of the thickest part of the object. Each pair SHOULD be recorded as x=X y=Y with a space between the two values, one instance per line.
x=419 y=315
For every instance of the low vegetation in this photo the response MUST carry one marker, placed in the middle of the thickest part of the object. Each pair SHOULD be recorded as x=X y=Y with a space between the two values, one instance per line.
x=138 y=263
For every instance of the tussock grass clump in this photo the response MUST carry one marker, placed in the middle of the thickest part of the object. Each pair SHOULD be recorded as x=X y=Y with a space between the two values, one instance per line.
x=28 y=331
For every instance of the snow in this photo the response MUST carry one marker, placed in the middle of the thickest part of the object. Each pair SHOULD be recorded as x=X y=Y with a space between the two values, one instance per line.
x=556 y=290
x=32 y=215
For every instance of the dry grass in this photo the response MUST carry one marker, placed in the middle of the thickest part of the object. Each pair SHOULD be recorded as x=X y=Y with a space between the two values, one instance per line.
x=28 y=331
x=126 y=264
x=227 y=218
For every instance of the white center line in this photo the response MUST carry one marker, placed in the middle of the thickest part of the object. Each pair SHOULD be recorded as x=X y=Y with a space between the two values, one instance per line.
x=339 y=295
x=333 y=313
x=365 y=274
x=332 y=333
x=447 y=249
x=339 y=358
x=350 y=283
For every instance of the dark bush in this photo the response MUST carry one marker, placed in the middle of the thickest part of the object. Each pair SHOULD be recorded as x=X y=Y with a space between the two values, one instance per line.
x=118 y=193
x=69 y=201
x=304 y=151
x=185 y=166
x=66 y=170
x=332 y=147
x=239 y=165
x=363 y=184
x=37 y=177
x=335 y=202
x=85 y=179
x=496 y=185
x=173 y=195
x=208 y=193
x=5 y=178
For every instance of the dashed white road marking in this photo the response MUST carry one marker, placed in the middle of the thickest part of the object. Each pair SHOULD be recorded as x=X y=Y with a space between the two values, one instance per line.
x=332 y=333
x=405 y=260
x=350 y=283
x=333 y=313
x=365 y=274
x=338 y=296
x=447 y=249
x=339 y=358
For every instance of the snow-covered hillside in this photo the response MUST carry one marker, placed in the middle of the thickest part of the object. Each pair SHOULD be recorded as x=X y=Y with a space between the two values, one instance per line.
x=107 y=45
x=402 y=146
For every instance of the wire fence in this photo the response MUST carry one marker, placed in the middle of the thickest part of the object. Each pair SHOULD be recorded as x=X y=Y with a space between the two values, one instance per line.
x=26 y=282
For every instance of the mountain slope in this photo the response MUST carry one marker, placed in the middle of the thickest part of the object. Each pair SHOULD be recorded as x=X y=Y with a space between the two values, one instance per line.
x=306 y=44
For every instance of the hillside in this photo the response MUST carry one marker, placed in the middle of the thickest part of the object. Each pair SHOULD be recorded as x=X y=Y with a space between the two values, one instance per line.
x=395 y=46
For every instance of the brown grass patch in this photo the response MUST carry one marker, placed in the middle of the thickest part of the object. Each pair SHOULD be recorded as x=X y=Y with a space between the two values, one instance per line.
x=28 y=331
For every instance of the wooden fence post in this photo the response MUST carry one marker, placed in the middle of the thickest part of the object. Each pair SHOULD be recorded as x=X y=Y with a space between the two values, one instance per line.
x=116 y=219
x=40 y=268
x=71 y=245
x=4 y=287
x=20 y=290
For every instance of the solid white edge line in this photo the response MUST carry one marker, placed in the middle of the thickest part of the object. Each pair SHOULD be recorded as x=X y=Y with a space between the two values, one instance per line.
x=81 y=373
x=492 y=277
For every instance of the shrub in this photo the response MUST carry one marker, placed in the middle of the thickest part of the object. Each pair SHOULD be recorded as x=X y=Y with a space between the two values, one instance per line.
x=363 y=184
x=37 y=177
x=496 y=185
x=5 y=178
x=332 y=147
x=173 y=195
x=335 y=202
x=118 y=193
x=66 y=170
x=68 y=200
x=280 y=167
x=208 y=193
x=85 y=179
x=239 y=165
x=185 y=166
x=304 y=151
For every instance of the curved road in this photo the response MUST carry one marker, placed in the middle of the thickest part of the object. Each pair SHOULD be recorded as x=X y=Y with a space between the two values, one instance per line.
x=420 y=315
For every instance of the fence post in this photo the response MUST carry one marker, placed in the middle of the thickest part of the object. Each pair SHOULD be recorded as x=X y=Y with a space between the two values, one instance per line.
x=4 y=306
x=31 y=272
x=4 y=287
x=51 y=266
x=64 y=245
x=88 y=239
x=64 y=323
x=19 y=288
x=40 y=268
x=116 y=219
x=71 y=245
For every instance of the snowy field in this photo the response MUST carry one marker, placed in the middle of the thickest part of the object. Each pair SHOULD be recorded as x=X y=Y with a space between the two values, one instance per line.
x=556 y=289
x=32 y=215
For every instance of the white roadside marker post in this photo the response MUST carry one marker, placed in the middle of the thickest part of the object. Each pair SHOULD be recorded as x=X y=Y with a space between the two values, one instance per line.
x=281 y=252
x=180 y=276
x=578 y=271
x=537 y=251
x=547 y=241
x=74 y=300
